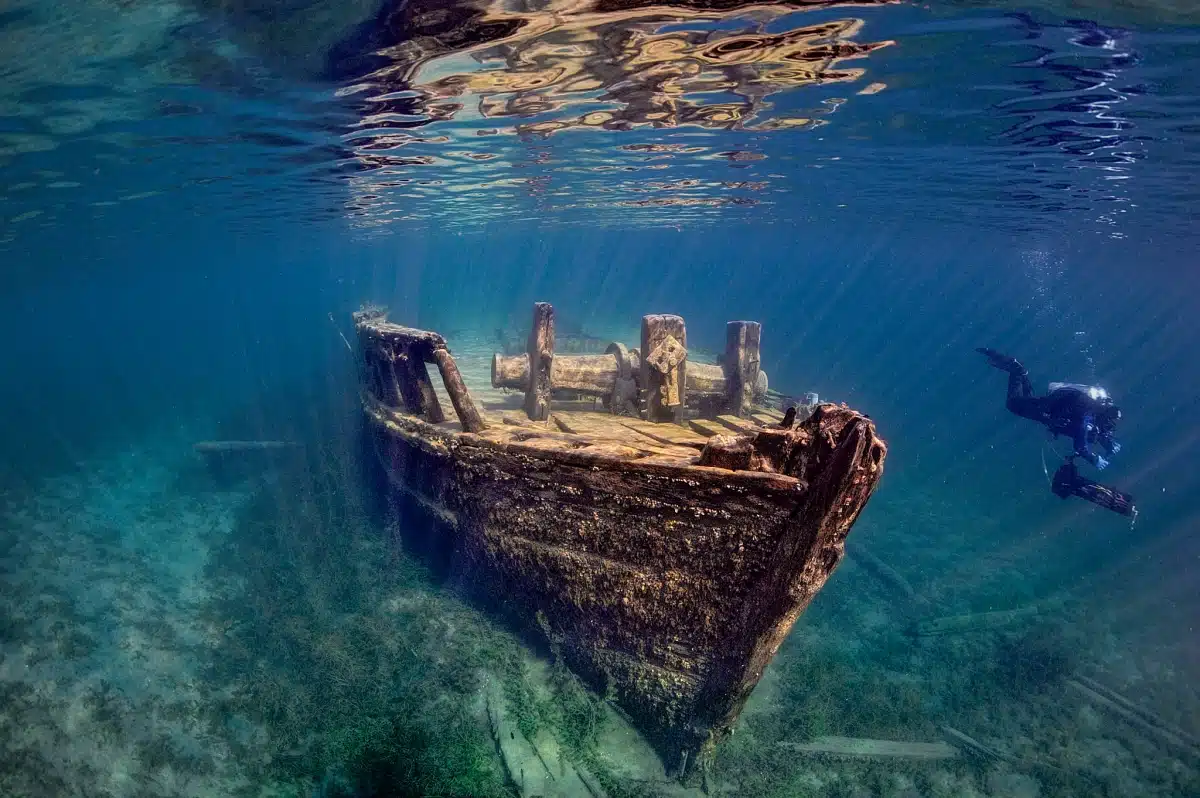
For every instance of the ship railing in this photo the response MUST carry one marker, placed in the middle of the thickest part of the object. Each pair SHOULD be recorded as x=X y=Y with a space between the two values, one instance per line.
x=658 y=376
x=394 y=359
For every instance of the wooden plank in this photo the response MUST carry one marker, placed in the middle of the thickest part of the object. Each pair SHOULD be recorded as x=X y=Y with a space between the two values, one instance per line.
x=767 y=416
x=541 y=357
x=737 y=424
x=1139 y=710
x=881 y=571
x=237 y=447
x=974 y=622
x=862 y=748
x=1136 y=716
x=607 y=428
x=672 y=434
x=707 y=427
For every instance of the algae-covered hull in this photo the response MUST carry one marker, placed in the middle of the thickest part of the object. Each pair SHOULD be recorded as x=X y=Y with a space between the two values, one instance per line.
x=661 y=574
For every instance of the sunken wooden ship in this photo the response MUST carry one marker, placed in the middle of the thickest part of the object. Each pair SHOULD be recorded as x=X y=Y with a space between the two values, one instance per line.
x=664 y=521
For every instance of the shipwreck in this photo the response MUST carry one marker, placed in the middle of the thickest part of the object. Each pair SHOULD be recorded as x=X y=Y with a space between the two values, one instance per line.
x=664 y=521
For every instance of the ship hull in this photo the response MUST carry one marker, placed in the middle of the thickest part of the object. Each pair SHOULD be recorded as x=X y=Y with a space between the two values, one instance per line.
x=668 y=588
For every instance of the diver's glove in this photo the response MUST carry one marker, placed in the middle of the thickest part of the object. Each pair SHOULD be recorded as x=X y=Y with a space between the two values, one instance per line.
x=1115 y=448
x=1101 y=463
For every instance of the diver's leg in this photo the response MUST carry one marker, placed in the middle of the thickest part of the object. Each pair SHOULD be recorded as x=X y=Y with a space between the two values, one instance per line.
x=1020 y=398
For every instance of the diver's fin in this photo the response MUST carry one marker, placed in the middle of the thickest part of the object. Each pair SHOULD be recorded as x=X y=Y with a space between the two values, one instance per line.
x=1002 y=362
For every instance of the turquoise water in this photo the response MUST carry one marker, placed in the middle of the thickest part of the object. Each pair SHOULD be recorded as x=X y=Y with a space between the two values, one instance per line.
x=195 y=196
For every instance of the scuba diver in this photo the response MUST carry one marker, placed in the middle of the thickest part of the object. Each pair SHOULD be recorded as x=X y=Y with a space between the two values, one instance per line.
x=1085 y=413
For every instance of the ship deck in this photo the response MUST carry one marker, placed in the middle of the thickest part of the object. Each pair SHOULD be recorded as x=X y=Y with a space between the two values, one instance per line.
x=585 y=423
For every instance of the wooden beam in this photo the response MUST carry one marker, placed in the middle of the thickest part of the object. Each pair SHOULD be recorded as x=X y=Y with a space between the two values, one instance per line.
x=742 y=345
x=541 y=358
x=398 y=337
x=862 y=748
x=664 y=365
x=382 y=372
x=431 y=408
x=406 y=380
x=510 y=371
x=459 y=396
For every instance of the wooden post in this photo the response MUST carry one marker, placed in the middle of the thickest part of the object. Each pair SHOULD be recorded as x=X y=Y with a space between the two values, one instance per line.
x=541 y=356
x=384 y=374
x=742 y=344
x=664 y=365
x=406 y=379
x=457 y=389
x=431 y=408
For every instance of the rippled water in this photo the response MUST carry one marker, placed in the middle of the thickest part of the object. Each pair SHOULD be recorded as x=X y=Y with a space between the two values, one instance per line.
x=617 y=112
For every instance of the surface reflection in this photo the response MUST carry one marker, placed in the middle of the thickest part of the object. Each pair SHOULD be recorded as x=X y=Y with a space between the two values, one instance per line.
x=424 y=75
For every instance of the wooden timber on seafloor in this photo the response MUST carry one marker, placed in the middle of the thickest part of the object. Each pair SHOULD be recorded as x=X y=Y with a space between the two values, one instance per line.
x=665 y=546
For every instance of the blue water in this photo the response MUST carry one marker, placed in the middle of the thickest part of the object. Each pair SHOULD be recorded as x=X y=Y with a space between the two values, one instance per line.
x=194 y=198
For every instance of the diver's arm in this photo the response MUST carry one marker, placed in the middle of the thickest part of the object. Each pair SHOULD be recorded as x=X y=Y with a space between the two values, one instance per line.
x=1082 y=449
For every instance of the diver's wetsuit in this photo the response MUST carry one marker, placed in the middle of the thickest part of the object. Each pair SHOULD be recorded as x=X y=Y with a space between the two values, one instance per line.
x=1068 y=410
x=1075 y=411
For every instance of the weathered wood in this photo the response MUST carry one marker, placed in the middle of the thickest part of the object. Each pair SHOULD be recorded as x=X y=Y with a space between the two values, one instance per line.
x=972 y=747
x=541 y=357
x=537 y=768
x=705 y=379
x=431 y=408
x=862 y=748
x=597 y=375
x=379 y=369
x=1137 y=716
x=736 y=424
x=400 y=338
x=674 y=584
x=707 y=427
x=882 y=571
x=460 y=397
x=594 y=375
x=742 y=345
x=664 y=365
x=510 y=371
x=589 y=374
x=1139 y=710
x=624 y=397
x=233 y=447
x=404 y=363
x=767 y=417
x=734 y=452
x=666 y=433
x=974 y=622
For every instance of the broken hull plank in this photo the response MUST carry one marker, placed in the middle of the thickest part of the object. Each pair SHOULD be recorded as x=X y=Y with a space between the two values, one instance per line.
x=861 y=748
x=974 y=622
